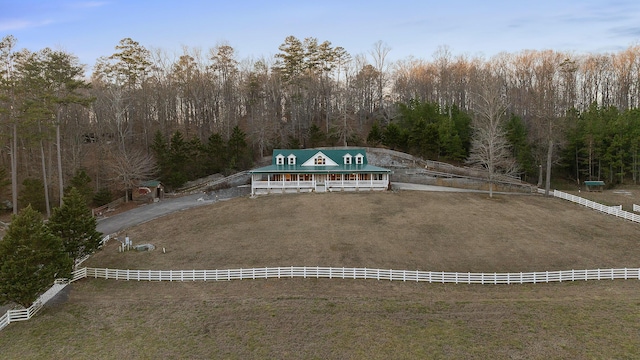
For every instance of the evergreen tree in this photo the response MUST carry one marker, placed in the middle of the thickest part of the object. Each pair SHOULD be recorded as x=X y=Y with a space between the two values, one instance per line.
x=316 y=136
x=31 y=258
x=374 y=137
x=215 y=153
x=177 y=161
x=394 y=137
x=102 y=197
x=161 y=151
x=239 y=155
x=73 y=223
x=33 y=194
x=4 y=182
x=516 y=133
x=81 y=182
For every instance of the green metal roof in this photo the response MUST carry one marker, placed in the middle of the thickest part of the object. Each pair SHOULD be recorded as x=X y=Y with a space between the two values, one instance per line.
x=150 y=183
x=335 y=163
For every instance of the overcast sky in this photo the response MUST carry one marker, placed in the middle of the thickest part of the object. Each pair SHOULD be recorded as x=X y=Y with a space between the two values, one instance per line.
x=254 y=28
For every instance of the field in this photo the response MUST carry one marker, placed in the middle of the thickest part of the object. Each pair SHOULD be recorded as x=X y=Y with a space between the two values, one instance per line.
x=355 y=319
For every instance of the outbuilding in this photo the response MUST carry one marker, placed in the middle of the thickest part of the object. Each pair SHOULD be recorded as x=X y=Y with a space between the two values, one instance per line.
x=151 y=190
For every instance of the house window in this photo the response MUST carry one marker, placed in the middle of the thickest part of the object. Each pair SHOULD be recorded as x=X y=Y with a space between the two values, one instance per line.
x=319 y=160
x=359 y=159
x=292 y=159
x=279 y=160
x=347 y=159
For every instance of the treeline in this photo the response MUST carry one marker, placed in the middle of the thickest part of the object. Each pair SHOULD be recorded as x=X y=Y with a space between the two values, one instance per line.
x=180 y=160
x=119 y=125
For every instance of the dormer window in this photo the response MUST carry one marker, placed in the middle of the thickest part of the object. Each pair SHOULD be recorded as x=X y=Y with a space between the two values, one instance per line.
x=280 y=160
x=319 y=160
x=347 y=159
x=291 y=159
x=359 y=159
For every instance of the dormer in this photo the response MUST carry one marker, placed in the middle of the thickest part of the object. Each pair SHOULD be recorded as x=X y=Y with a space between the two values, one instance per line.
x=347 y=159
x=279 y=159
x=359 y=159
x=291 y=159
x=319 y=159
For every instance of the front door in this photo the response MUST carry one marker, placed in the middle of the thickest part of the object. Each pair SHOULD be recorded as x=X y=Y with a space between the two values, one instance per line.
x=320 y=182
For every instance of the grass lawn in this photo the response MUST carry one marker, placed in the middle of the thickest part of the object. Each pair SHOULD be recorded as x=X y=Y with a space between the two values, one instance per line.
x=354 y=319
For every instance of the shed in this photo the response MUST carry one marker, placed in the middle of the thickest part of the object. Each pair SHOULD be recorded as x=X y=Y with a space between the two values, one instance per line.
x=151 y=190
x=594 y=185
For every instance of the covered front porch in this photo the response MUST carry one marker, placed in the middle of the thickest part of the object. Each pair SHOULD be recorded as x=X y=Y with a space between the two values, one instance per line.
x=309 y=182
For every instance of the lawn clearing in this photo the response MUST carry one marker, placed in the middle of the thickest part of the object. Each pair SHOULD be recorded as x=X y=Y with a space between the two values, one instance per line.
x=333 y=319
x=358 y=319
x=406 y=231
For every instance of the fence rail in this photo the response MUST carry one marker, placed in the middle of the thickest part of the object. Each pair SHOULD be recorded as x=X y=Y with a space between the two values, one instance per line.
x=359 y=273
x=611 y=210
x=345 y=273
x=320 y=272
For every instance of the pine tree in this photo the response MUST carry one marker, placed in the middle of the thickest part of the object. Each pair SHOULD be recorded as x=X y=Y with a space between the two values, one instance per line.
x=239 y=152
x=31 y=258
x=73 y=223
x=81 y=182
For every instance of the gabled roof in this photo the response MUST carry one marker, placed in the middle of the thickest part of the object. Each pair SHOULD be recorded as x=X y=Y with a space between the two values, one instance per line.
x=150 y=183
x=334 y=162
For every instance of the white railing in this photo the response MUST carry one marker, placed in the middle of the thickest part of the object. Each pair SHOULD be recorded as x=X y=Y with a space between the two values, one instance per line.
x=636 y=208
x=321 y=272
x=282 y=184
x=611 y=210
x=26 y=314
x=357 y=183
x=362 y=273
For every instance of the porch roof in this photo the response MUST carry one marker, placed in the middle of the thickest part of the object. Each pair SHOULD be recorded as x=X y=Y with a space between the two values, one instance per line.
x=340 y=169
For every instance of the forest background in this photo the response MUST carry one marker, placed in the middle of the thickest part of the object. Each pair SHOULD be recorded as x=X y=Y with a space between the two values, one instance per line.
x=146 y=114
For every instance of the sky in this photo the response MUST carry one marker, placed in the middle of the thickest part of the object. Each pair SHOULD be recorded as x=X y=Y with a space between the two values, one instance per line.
x=255 y=28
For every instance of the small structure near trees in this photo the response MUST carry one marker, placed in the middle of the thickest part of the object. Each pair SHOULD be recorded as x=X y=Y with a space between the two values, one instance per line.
x=594 y=185
x=152 y=190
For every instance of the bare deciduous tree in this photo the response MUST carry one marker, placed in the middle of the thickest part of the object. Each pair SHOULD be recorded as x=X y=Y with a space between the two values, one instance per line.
x=129 y=168
x=490 y=148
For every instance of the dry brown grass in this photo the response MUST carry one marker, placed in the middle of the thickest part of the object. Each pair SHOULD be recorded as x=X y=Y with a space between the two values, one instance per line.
x=355 y=319
x=405 y=230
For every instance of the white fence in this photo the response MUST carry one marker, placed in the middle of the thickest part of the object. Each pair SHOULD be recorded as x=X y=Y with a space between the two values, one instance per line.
x=611 y=210
x=346 y=273
x=26 y=314
x=359 y=273
x=321 y=272
x=636 y=208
